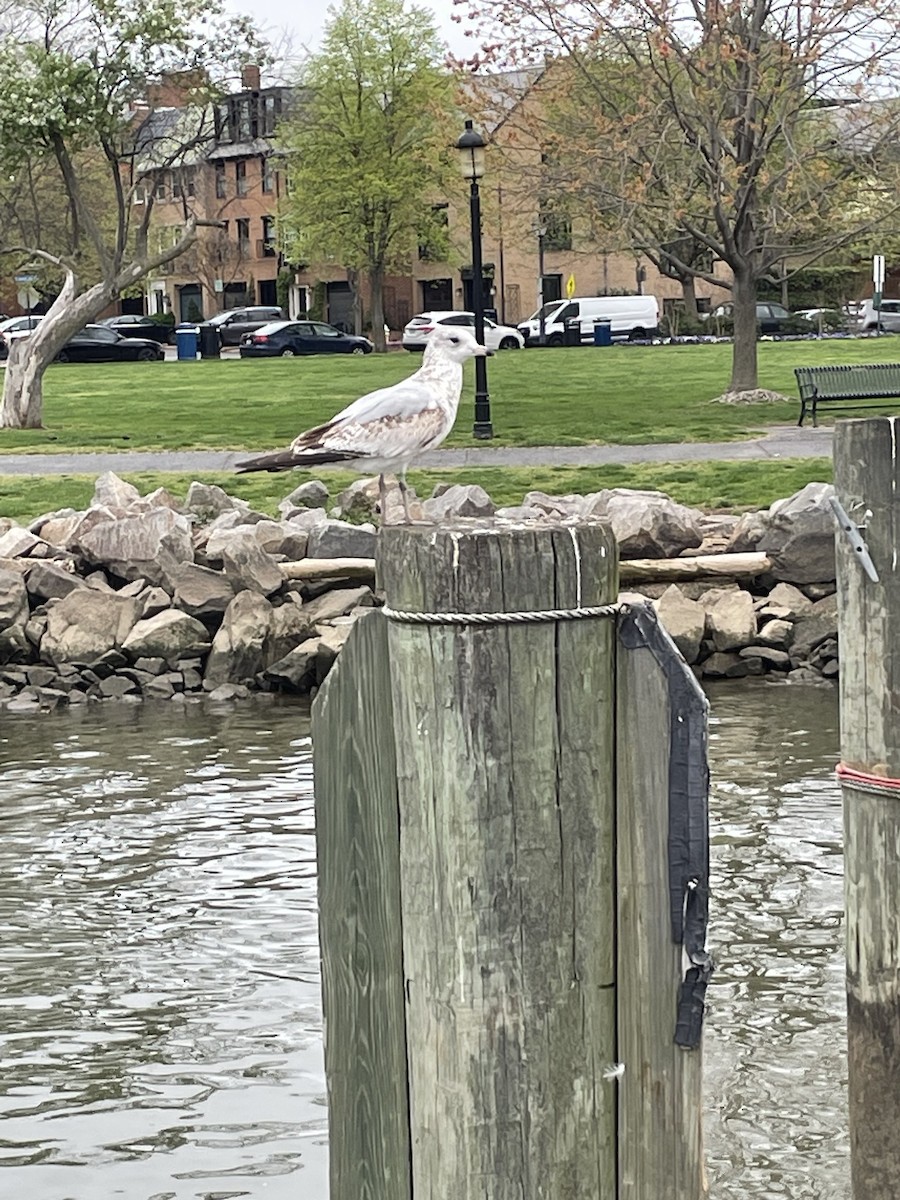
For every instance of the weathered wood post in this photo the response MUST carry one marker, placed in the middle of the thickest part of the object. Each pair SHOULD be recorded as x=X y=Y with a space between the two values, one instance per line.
x=493 y=861
x=867 y=482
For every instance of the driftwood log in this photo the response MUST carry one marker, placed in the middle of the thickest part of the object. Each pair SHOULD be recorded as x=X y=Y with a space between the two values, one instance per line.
x=635 y=570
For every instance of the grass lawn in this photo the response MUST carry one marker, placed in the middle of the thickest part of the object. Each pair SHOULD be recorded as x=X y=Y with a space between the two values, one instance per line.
x=732 y=485
x=566 y=396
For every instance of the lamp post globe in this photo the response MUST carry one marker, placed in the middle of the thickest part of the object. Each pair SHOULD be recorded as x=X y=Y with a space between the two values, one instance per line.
x=471 y=147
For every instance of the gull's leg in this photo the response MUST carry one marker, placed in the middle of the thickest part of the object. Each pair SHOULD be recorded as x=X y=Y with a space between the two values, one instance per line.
x=401 y=479
x=382 y=499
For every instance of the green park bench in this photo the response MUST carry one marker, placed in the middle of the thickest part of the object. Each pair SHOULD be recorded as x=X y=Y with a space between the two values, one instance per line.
x=846 y=385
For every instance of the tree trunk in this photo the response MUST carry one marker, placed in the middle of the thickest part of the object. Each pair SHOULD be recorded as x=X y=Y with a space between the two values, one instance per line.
x=744 y=375
x=689 y=295
x=23 y=387
x=376 y=288
x=22 y=406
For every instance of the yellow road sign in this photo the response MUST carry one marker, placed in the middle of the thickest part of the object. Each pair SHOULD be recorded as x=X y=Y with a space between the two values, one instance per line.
x=570 y=286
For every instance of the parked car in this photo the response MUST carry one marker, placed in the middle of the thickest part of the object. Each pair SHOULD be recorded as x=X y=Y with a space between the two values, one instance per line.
x=133 y=326
x=770 y=318
x=16 y=327
x=496 y=337
x=289 y=338
x=233 y=323
x=99 y=343
x=887 y=318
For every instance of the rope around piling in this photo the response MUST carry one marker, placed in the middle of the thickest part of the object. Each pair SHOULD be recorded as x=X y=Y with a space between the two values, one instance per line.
x=540 y=616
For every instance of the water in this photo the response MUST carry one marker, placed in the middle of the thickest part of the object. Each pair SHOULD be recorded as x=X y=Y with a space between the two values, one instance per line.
x=159 y=1007
x=160 y=1030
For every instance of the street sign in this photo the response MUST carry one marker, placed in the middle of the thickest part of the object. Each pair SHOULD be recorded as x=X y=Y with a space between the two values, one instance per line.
x=570 y=286
x=27 y=297
x=25 y=278
x=877 y=280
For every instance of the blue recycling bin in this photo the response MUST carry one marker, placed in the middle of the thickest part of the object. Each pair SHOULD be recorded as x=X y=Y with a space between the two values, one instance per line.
x=603 y=333
x=186 y=344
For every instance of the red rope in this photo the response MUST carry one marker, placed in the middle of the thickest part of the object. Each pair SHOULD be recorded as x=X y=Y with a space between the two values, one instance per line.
x=850 y=776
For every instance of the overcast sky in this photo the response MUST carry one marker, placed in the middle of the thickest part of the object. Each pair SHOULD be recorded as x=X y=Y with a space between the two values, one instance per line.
x=303 y=20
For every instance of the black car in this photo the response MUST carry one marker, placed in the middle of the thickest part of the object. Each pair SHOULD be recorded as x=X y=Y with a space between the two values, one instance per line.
x=132 y=326
x=289 y=338
x=99 y=343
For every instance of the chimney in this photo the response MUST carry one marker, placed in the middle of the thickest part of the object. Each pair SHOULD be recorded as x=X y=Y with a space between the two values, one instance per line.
x=250 y=78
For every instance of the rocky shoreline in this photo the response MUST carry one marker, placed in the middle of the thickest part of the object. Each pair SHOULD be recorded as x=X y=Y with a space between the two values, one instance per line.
x=146 y=597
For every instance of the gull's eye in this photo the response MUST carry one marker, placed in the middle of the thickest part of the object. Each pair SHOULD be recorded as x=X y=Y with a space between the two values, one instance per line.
x=455 y=341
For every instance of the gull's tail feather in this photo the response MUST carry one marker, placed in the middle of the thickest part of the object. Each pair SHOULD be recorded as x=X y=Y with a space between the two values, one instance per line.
x=287 y=460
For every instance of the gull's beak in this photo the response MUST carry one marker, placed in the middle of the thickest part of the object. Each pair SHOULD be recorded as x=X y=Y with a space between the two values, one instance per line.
x=483 y=352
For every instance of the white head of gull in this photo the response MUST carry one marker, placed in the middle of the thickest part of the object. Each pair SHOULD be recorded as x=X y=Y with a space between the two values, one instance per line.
x=386 y=430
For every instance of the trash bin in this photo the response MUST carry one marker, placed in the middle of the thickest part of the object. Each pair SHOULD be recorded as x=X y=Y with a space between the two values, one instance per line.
x=209 y=341
x=186 y=343
x=603 y=333
x=572 y=333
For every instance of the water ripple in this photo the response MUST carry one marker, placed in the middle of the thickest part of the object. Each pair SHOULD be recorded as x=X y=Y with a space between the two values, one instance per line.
x=159 y=1012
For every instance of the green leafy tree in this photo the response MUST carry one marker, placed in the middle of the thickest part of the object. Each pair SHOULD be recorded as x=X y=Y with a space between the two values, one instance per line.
x=750 y=131
x=81 y=82
x=370 y=145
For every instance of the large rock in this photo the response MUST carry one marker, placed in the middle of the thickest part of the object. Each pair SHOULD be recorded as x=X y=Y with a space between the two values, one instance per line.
x=459 y=500
x=815 y=627
x=13 y=599
x=290 y=626
x=312 y=494
x=646 y=524
x=18 y=542
x=336 y=603
x=749 y=531
x=169 y=635
x=334 y=539
x=151 y=545
x=48 y=580
x=238 y=651
x=684 y=620
x=297 y=670
x=207 y=501
x=730 y=618
x=201 y=591
x=86 y=624
x=248 y=567
x=281 y=537
x=113 y=492
x=800 y=536
x=786 y=602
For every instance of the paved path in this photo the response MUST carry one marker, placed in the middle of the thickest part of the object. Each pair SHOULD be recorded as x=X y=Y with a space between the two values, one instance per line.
x=784 y=441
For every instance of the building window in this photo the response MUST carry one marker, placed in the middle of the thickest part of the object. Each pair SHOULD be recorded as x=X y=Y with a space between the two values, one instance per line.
x=188 y=180
x=268 y=175
x=220 y=181
x=177 y=185
x=243 y=120
x=243 y=236
x=240 y=176
x=268 y=237
x=161 y=189
x=267 y=103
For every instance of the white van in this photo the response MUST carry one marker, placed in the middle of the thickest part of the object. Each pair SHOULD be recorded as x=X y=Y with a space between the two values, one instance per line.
x=629 y=317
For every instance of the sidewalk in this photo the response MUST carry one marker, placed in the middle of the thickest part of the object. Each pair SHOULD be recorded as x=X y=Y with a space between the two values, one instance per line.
x=781 y=441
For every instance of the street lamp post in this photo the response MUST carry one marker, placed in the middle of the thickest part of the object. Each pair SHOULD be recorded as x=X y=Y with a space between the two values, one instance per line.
x=471 y=161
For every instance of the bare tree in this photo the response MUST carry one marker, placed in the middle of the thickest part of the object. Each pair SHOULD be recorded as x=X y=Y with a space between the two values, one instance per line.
x=99 y=100
x=752 y=129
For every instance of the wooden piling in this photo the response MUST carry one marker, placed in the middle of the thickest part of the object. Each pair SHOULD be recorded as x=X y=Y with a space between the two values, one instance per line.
x=867 y=481
x=525 y=910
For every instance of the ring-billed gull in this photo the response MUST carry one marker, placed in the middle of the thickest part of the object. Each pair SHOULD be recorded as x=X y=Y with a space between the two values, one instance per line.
x=385 y=431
